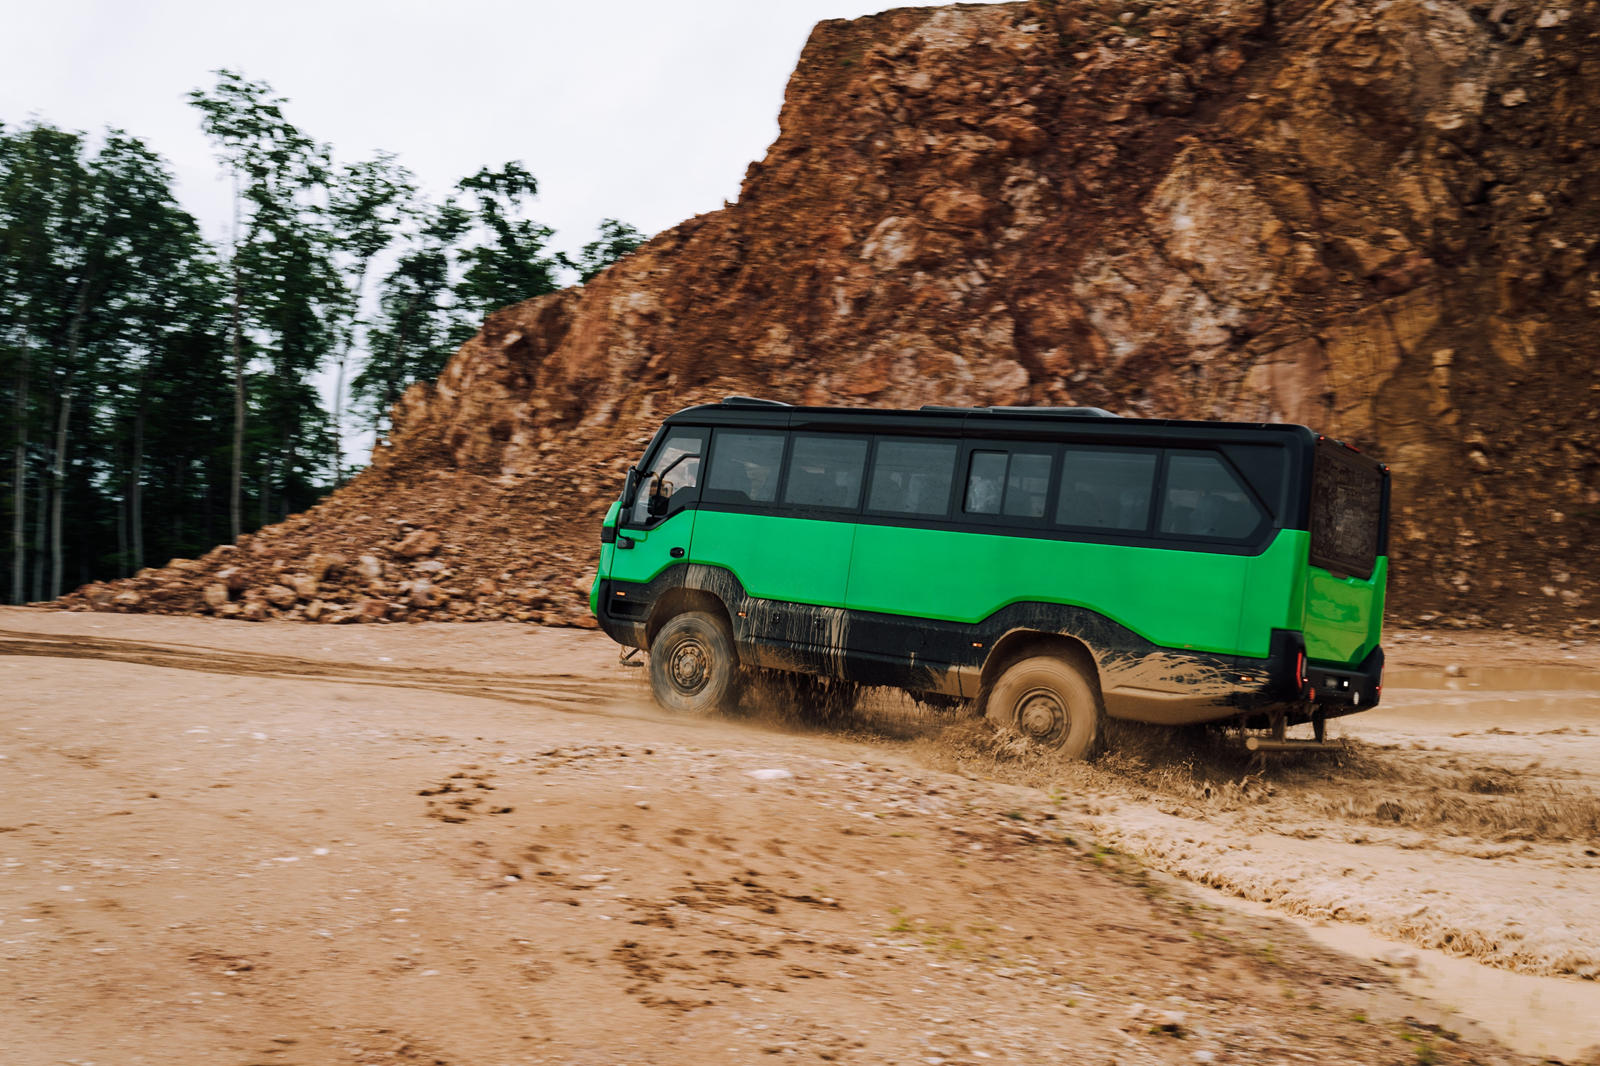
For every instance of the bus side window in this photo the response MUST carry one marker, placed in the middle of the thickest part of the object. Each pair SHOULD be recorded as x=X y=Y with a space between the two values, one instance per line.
x=1027 y=484
x=912 y=477
x=986 y=482
x=1106 y=489
x=1203 y=498
x=744 y=467
x=679 y=477
x=825 y=471
x=1014 y=484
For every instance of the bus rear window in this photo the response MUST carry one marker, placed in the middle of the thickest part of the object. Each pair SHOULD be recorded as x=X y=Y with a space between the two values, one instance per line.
x=1346 y=513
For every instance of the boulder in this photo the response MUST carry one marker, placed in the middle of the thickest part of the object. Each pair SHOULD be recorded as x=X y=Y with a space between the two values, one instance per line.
x=957 y=206
x=370 y=609
x=322 y=565
x=417 y=543
x=280 y=595
x=215 y=594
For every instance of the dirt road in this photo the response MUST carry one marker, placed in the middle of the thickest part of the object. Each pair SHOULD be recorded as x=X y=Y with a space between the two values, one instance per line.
x=465 y=845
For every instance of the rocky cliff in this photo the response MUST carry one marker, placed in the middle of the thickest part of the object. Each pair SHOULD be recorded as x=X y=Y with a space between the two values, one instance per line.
x=1381 y=219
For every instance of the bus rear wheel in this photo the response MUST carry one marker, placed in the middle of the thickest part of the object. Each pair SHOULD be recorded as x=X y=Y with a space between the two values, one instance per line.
x=1051 y=703
x=693 y=667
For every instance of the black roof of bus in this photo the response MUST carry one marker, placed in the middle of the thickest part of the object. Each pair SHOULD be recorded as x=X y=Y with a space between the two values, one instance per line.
x=1040 y=422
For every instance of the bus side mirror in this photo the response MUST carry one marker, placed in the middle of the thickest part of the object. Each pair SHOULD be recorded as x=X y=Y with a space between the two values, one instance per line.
x=660 y=493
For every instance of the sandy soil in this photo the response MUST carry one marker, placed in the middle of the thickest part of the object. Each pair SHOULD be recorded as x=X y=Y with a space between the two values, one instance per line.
x=279 y=843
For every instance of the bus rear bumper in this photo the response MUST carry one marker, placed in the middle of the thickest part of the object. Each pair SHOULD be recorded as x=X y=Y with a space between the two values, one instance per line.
x=1340 y=690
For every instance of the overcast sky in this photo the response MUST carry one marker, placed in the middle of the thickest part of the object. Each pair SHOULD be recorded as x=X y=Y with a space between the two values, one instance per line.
x=639 y=110
x=632 y=109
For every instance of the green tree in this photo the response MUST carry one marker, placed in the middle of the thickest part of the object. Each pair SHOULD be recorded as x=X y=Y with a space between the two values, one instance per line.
x=616 y=240
x=418 y=320
x=87 y=247
x=44 y=214
x=168 y=298
x=508 y=263
x=369 y=204
x=283 y=283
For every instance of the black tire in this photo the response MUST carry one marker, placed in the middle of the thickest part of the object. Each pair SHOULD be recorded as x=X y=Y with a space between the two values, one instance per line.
x=693 y=667
x=1049 y=701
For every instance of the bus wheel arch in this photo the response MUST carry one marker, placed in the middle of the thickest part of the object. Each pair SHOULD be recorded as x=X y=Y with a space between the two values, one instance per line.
x=1046 y=687
x=679 y=600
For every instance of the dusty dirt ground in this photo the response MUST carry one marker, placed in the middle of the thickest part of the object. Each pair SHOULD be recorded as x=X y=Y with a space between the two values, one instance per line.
x=278 y=843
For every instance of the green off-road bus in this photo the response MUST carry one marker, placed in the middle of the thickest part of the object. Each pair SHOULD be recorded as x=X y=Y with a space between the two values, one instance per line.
x=1055 y=565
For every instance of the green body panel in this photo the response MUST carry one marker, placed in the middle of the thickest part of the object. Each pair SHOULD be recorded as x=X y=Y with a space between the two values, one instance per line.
x=1174 y=598
x=1227 y=604
x=652 y=548
x=796 y=560
x=1344 y=615
x=606 y=552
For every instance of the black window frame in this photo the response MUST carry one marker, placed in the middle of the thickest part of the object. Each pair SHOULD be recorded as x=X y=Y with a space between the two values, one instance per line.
x=937 y=428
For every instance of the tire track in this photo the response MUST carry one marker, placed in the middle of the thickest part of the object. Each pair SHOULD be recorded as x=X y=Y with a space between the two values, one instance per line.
x=566 y=691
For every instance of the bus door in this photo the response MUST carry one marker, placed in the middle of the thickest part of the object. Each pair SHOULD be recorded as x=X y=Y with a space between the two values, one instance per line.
x=656 y=530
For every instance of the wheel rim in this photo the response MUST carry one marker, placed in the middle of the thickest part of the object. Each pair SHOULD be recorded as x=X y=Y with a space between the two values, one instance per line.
x=689 y=667
x=1041 y=716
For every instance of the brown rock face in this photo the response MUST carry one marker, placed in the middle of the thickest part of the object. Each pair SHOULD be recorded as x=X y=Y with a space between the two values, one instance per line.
x=1381 y=220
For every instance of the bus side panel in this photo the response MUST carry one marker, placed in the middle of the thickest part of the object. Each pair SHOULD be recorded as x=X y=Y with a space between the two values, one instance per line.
x=794 y=560
x=1274 y=593
x=607 y=550
x=1344 y=615
x=1176 y=599
x=652 y=548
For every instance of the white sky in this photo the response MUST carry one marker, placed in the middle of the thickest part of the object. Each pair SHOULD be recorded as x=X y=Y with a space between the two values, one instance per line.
x=644 y=111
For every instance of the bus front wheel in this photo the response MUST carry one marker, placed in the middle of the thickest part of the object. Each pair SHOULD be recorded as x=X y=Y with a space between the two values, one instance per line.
x=1050 y=702
x=693 y=667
